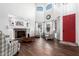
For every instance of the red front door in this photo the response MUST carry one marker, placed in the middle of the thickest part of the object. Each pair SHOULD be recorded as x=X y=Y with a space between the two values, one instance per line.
x=69 y=28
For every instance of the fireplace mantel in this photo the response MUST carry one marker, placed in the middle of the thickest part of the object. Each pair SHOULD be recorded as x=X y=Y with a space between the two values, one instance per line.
x=20 y=29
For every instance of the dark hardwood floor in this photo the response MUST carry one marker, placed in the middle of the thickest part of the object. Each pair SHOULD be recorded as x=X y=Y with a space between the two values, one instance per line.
x=42 y=47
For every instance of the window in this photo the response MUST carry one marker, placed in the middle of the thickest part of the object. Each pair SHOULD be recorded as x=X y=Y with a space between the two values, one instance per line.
x=49 y=6
x=39 y=8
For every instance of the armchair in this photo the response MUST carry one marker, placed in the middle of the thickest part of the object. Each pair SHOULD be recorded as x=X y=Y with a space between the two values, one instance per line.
x=8 y=47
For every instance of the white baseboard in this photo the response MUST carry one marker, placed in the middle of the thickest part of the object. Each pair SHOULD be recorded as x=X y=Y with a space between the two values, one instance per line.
x=68 y=43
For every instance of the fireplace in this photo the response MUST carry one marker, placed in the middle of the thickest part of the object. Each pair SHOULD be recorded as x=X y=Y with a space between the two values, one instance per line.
x=20 y=33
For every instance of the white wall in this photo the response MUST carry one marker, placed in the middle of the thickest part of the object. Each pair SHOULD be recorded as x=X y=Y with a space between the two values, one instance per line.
x=24 y=10
x=57 y=15
x=77 y=24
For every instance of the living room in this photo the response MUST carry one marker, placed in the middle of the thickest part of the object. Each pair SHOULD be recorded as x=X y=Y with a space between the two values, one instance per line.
x=33 y=28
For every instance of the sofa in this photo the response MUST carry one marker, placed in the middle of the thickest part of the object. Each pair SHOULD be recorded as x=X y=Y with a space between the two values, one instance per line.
x=8 y=47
